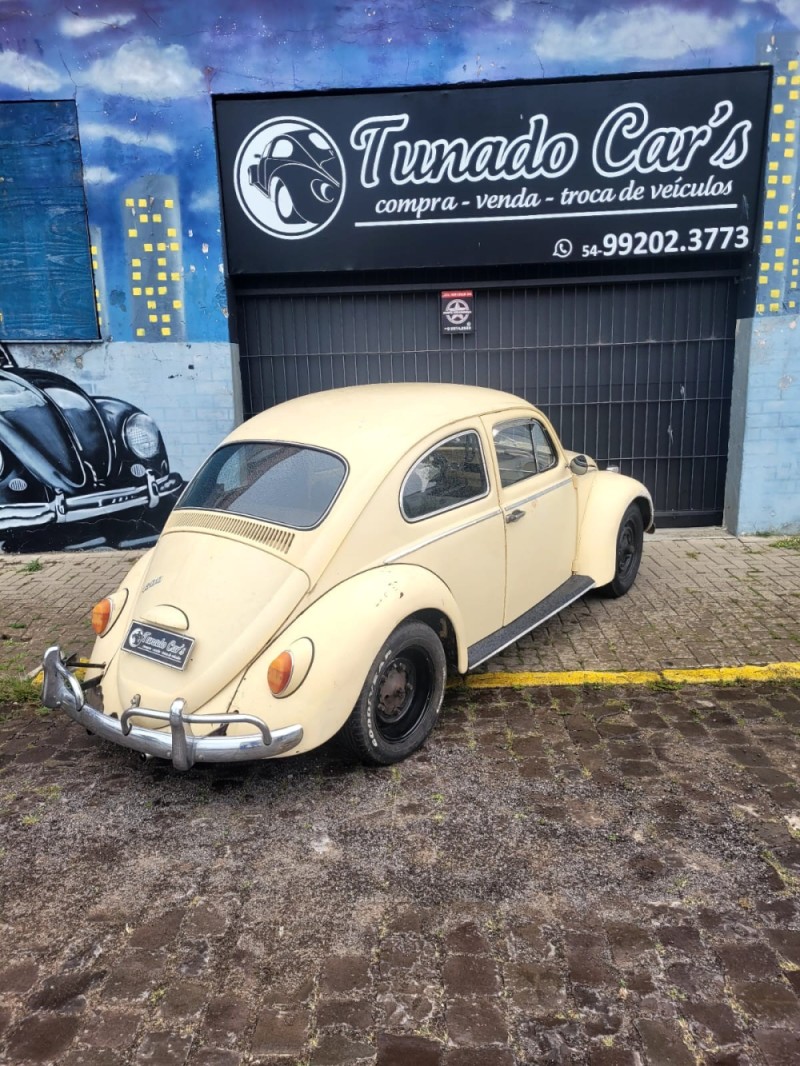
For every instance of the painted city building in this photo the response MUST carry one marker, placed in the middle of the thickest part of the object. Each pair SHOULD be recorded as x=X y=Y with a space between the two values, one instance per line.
x=592 y=207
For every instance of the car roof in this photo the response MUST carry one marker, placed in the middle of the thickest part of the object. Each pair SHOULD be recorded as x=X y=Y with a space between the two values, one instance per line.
x=392 y=416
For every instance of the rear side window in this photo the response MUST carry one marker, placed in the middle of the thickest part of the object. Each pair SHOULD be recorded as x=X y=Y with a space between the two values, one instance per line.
x=282 y=483
x=449 y=475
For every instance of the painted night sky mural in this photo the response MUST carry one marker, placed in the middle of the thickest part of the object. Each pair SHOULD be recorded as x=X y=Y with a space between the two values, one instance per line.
x=142 y=74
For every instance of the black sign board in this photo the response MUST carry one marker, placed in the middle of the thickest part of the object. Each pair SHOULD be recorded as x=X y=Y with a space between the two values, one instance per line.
x=466 y=176
x=457 y=310
x=159 y=645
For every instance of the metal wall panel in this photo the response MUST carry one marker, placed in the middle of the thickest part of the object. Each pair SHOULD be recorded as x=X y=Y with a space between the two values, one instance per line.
x=635 y=373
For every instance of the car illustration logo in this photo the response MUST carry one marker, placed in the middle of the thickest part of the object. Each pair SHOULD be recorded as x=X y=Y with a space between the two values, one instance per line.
x=289 y=178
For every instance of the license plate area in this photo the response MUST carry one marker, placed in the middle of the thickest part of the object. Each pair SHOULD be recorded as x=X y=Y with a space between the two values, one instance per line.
x=158 y=645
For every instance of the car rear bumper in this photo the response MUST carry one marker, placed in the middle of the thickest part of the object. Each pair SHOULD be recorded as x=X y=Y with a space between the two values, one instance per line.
x=62 y=690
x=91 y=505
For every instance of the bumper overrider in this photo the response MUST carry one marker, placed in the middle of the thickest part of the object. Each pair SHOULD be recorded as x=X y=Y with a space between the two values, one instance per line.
x=62 y=690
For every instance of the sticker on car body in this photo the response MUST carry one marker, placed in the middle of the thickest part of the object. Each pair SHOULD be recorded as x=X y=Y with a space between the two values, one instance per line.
x=158 y=645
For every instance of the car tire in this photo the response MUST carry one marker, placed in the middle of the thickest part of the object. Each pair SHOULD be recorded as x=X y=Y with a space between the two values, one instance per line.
x=401 y=698
x=628 y=553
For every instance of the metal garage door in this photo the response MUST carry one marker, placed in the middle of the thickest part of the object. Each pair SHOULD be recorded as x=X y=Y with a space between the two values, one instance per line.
x=636 y=373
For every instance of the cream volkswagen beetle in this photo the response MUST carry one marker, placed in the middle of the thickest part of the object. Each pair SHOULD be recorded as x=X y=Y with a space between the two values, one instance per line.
x=333 y=559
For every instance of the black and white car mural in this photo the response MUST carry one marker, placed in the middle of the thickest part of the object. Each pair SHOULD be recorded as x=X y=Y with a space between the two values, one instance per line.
x=92 y=467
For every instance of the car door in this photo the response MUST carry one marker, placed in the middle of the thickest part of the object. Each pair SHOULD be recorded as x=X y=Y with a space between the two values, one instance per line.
x=538 y=501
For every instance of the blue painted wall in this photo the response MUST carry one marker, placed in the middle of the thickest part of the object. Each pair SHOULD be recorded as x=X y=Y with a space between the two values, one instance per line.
x=142 y=76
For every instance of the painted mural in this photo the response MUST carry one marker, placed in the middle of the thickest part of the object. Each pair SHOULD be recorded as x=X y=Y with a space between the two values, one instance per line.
x=77 y=471
x=142 y=76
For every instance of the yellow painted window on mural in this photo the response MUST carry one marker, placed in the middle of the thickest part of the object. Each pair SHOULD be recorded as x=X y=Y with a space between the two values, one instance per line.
x=151 y=305
x=777 y=109
x=774 y=293
x=161 y=247
x=172 y=232
x=133 y=233
x=794 y=94
x=790 y=124
x=166 y=318
x=147 y=247
x=770 y=194
x=792 y=65
x=790 y=138
x=177 y=304
x=140 y=332
x=136 y=262
x=175 y=276
x=767 y=239
x=136 y=275
x=129 y=202
x=162 y=275
x=774 y=166
x=169 y=203
x=149 y=290
x=162 y=290
x=760 y=308
x=161 y=261
x=156 y=218
x=143 y=218
x=152 y=318
x=781 y=79
x=783 y=209
x=166 y=331
x=763 y=279
x=142 y=202
x=774 y=307
x=783 y=225
x=94 y=264
x=780 y=252
x=779 y=266
x=772 y=179
x=768 y=225
x=786 y=179
x=137 y=291
x=775 y=138
x=174 y=247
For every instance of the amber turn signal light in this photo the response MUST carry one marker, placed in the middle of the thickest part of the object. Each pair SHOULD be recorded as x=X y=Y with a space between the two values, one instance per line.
x=101 y=616
x=280 y=672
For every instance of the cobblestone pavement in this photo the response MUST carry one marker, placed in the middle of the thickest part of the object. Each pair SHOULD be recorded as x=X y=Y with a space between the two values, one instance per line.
x=599 y=876
x=701 y=599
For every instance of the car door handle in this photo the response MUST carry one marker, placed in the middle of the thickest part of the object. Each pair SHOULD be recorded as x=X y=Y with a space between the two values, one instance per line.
x=515 y=515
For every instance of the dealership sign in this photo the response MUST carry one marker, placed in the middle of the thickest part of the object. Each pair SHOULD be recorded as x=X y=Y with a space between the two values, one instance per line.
x=474 y=175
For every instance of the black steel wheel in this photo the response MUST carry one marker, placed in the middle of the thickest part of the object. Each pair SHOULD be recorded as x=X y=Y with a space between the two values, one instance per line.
x=628 y=553
x=401 y=698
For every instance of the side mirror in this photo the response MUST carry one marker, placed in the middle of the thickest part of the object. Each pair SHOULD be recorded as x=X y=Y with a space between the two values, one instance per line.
x=580 y=465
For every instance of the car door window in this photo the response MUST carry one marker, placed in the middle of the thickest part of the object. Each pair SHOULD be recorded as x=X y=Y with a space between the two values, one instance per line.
x=449 y=475
x=543 y=447
x=523 y=449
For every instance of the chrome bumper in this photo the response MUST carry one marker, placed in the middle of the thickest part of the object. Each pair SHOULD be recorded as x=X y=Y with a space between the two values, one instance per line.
x=92 y=505
x=62 y=690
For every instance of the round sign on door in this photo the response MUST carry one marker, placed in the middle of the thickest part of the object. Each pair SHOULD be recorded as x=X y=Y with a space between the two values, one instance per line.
x=457 y=311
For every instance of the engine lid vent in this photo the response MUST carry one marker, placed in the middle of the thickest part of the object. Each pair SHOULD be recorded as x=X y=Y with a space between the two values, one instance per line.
x=249 y=529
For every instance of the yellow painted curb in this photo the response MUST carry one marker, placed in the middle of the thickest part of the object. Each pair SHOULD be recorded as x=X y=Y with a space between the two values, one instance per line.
x=696 y=676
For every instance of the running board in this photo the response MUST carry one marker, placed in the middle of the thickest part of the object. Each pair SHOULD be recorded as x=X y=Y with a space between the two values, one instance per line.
x=562 y=597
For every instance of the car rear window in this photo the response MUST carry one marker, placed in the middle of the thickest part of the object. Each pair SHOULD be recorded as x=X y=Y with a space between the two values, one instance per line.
x=287 y=484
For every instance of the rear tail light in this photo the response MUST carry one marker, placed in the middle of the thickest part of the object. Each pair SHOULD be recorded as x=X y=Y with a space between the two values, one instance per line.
x=107 y=611
x=280 y=673
x=101 y=616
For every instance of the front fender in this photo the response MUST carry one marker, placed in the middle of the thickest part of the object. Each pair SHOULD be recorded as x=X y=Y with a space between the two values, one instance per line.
x=347 y=627
x=610 y=497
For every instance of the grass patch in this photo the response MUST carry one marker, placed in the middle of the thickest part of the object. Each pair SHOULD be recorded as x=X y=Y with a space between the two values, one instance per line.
x=18 y=690
x=33 y=567
x=792 y=543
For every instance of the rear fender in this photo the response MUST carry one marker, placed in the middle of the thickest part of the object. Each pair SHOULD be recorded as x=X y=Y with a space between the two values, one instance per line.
x=347 y=628
x=608 y=501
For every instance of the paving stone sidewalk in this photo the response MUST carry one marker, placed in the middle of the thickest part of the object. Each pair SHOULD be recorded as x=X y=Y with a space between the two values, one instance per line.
x=702 y=598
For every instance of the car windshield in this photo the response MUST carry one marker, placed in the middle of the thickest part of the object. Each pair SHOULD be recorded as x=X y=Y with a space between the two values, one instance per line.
x=282 y=483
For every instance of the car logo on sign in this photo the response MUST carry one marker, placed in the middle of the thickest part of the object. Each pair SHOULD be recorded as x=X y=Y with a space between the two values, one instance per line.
x=289 y=177
x=158 y=645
